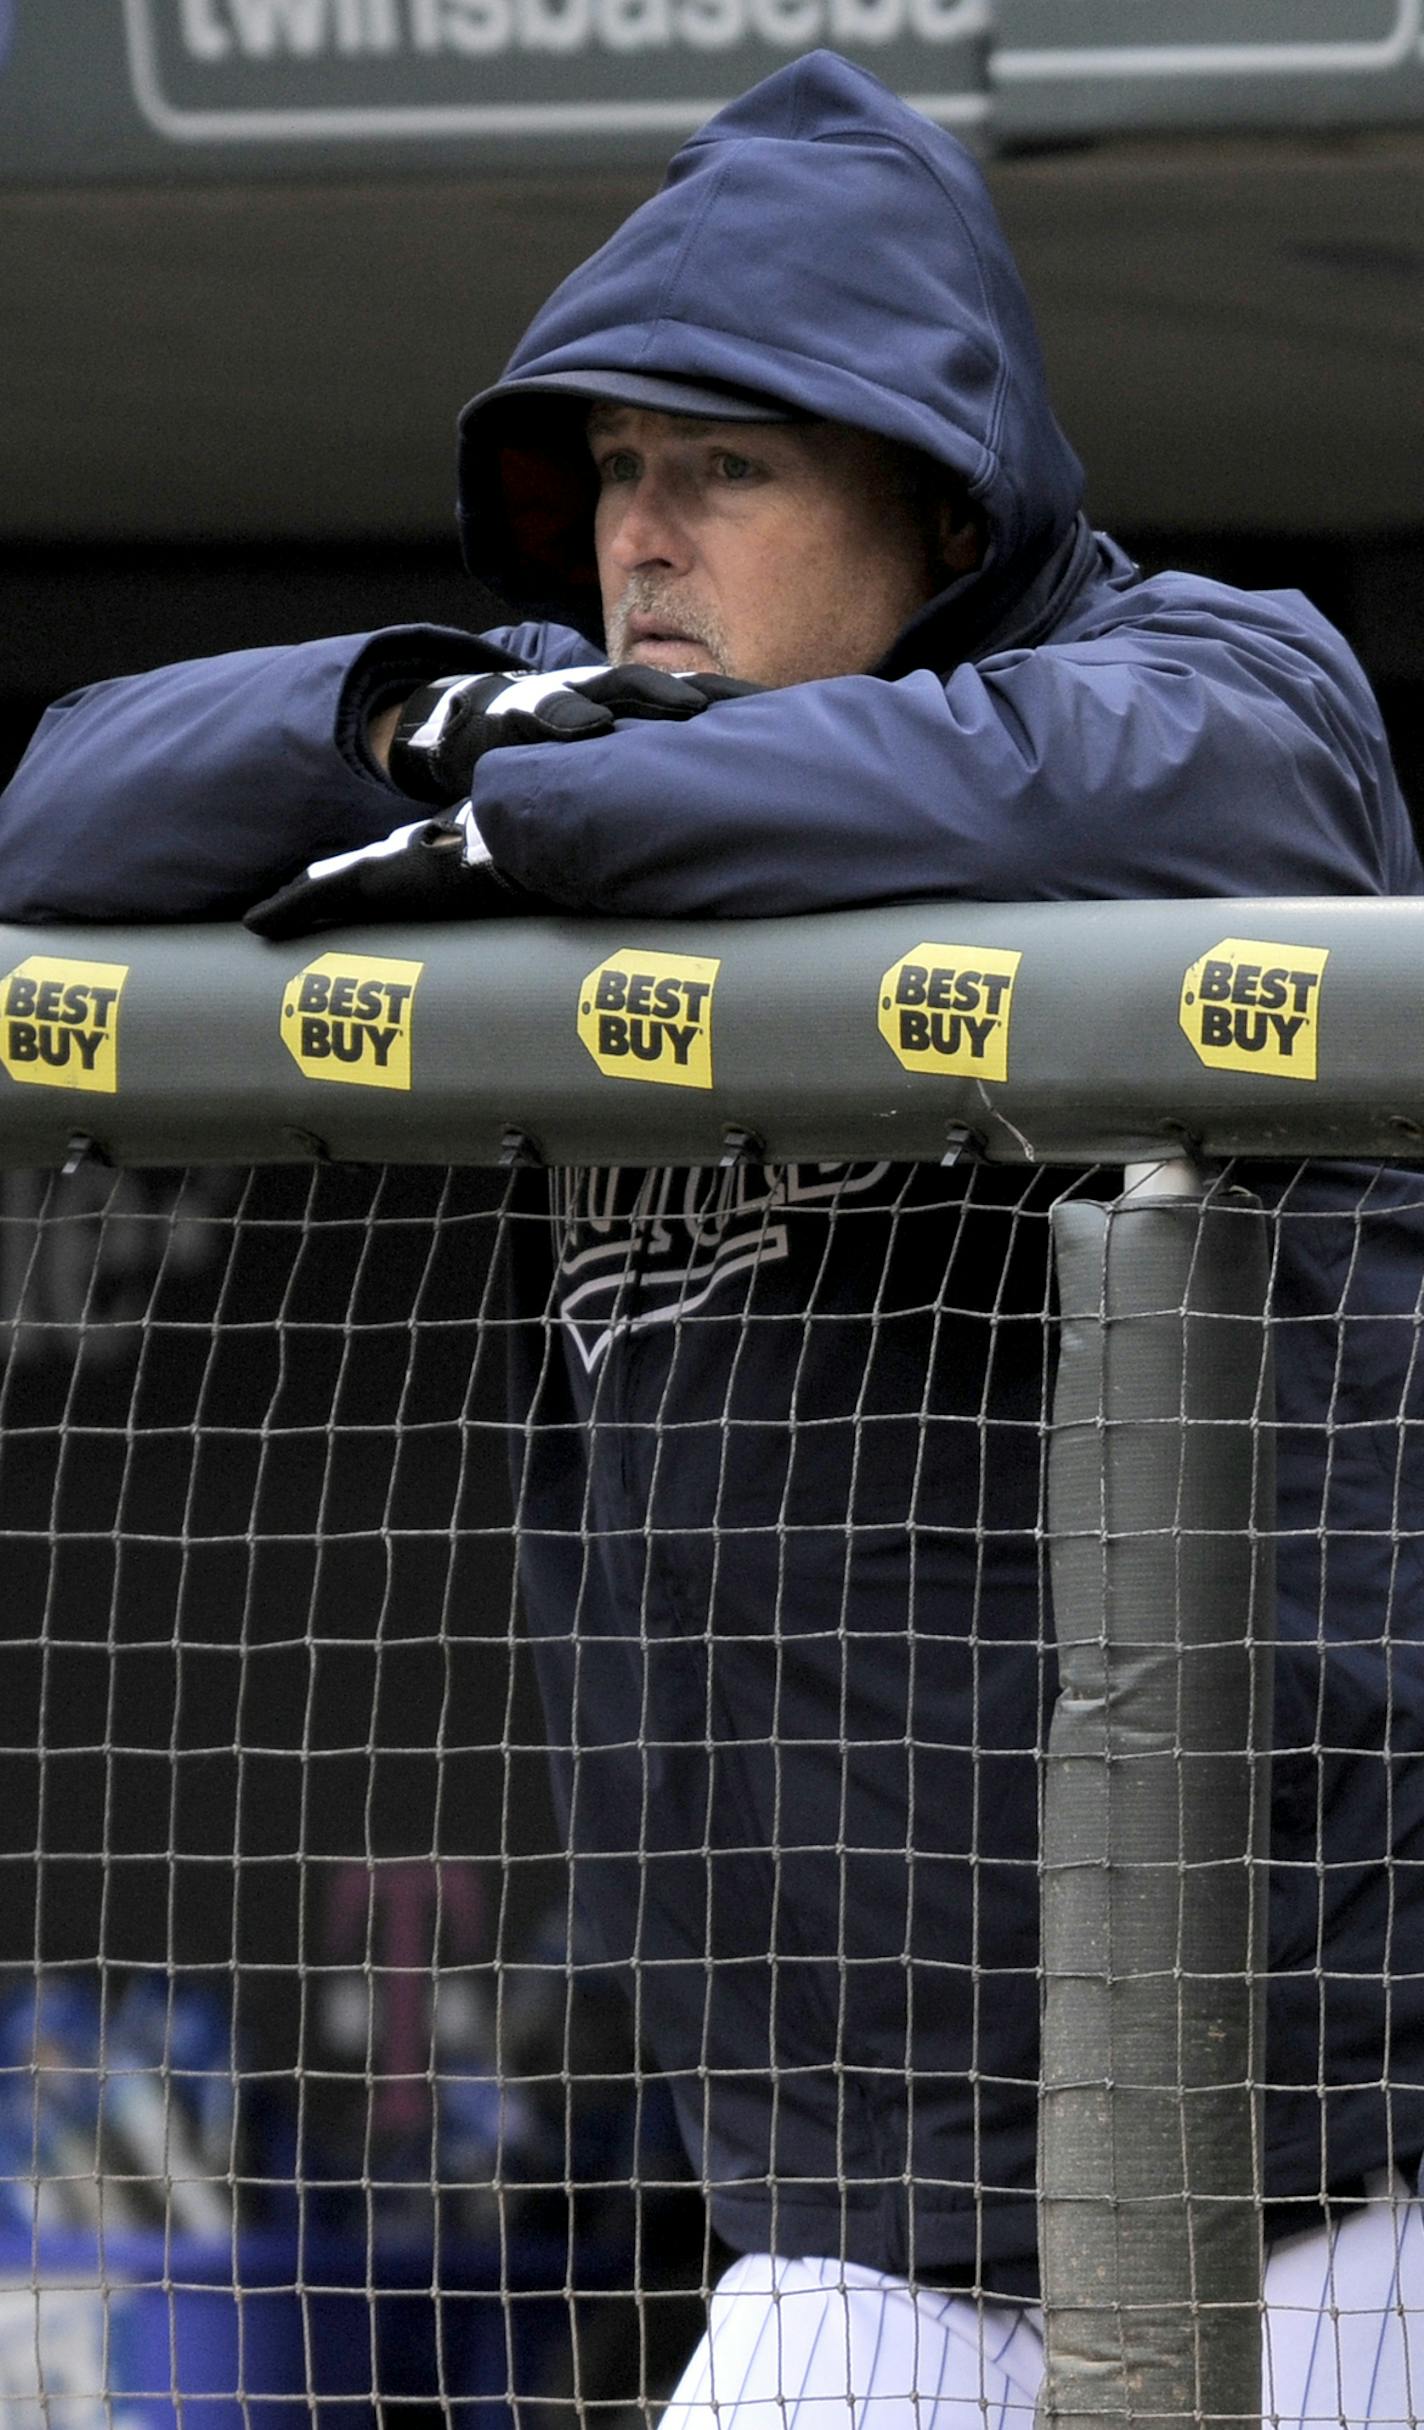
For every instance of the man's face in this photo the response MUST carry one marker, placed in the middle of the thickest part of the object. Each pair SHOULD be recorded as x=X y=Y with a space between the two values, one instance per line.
x=776 y=551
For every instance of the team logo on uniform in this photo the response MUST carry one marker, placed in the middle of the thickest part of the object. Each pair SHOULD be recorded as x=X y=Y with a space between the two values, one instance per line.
x=347 y=1017
x=946 y=1008
x=646 y=1246
x=1250 y=1006
x=648 y=1016
x=59 y=1022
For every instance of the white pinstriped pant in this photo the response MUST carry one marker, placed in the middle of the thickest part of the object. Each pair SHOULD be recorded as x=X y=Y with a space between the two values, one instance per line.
x=827 y=2345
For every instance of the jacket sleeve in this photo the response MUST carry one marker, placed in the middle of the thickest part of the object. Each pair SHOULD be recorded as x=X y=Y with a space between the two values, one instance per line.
x=1181 y=757
x=1177 y=753
x=188 y=792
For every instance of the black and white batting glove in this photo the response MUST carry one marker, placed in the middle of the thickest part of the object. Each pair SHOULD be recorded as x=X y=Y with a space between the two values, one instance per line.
x=447 y=727
x=433 y=869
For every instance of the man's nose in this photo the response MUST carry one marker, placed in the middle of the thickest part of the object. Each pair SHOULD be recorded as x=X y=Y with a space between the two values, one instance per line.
x=647 y=529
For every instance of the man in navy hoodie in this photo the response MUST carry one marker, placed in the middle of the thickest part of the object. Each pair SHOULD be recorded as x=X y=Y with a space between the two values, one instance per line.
x=813 y=619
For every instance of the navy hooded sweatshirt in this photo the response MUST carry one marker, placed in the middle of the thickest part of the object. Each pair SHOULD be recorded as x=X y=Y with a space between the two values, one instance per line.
x=781 y=1497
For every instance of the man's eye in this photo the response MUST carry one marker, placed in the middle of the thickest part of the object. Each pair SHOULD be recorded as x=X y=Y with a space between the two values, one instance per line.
x=735 y=468
x=618 y=465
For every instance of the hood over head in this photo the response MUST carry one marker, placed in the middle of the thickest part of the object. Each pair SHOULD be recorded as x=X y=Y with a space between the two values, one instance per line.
x=818 y=249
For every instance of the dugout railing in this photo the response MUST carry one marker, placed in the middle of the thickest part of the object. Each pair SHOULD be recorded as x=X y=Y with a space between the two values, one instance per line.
x=1156 y=1041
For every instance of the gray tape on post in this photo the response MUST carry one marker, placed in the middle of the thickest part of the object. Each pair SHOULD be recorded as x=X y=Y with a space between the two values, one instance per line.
x=1160 y=1506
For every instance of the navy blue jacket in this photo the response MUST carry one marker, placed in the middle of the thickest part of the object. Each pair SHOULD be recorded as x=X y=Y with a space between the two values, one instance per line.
x=784 y=1577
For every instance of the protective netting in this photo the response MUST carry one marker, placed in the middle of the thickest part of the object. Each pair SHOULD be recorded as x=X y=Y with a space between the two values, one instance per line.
x=418 y=1979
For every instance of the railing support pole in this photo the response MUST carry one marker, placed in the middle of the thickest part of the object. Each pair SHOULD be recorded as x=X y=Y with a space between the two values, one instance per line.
x=1161 y=1507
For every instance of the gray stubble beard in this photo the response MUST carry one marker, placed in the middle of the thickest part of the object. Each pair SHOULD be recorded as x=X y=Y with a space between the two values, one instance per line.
x=646 y=595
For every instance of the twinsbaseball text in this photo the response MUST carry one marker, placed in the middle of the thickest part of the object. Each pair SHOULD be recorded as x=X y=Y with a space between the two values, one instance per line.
x=214 y=32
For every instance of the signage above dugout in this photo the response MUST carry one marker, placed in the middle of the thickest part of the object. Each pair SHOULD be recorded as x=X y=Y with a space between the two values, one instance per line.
x=95 y=88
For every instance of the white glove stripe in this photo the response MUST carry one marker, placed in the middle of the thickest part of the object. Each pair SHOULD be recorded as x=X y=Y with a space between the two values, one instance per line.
x=379 y=851
x=527 y=691
x=477 y=851
x=426 y=736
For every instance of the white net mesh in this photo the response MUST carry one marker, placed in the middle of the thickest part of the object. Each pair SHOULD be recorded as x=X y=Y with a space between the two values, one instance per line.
x=416 y=1987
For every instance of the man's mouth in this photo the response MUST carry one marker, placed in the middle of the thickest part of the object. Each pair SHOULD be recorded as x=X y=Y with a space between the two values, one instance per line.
x=660 y=641
x=657 y=630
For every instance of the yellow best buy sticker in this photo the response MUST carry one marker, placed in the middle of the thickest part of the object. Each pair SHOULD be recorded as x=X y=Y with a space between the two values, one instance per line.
x=1251 y=1006
x=59 y=1022
x=648 y=1016
x=946 y=1008
x=347 y=1017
